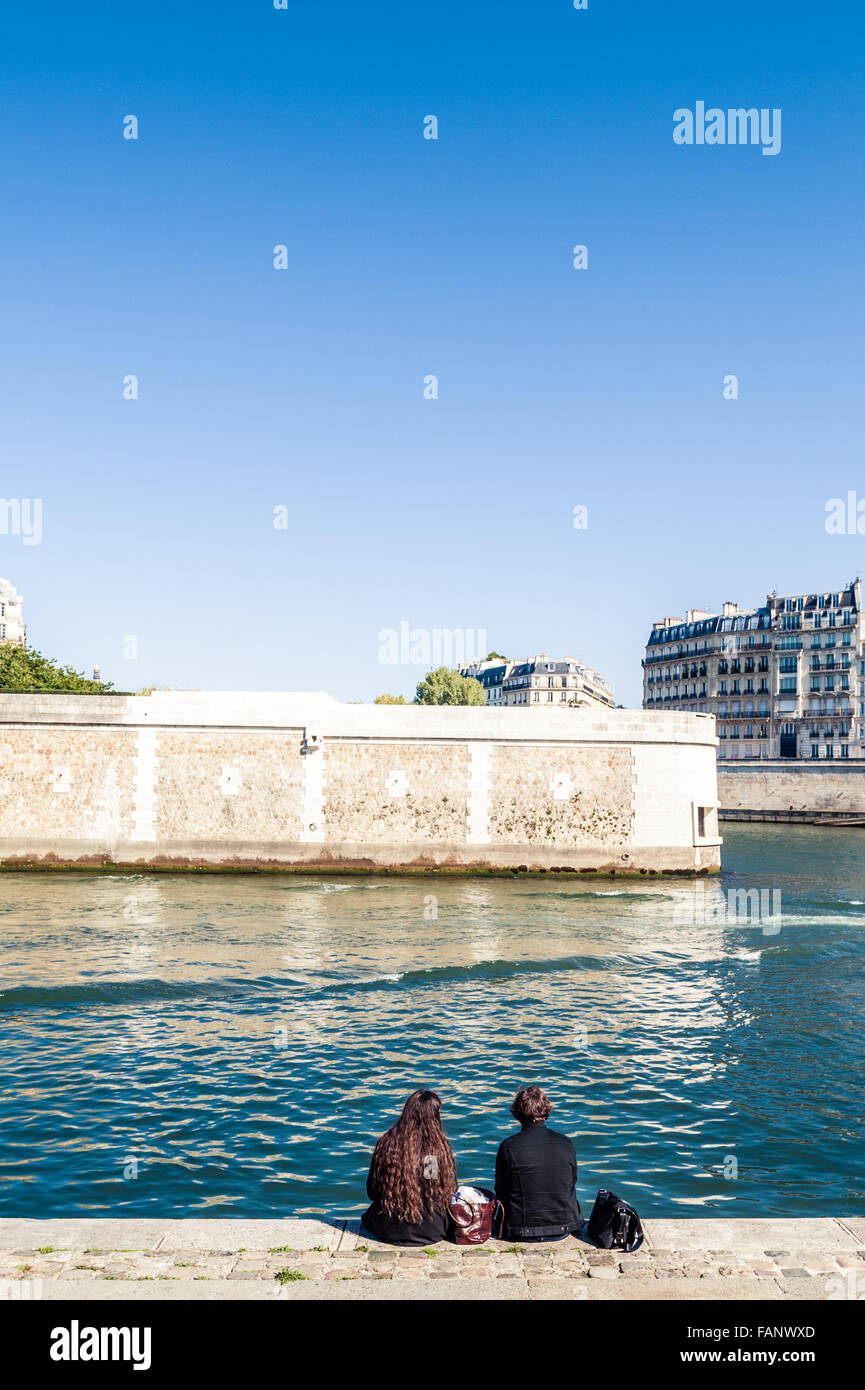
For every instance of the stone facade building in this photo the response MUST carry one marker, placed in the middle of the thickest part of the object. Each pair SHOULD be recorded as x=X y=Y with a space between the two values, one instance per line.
x=541 y=682
x=786 y=680
x=12 y=628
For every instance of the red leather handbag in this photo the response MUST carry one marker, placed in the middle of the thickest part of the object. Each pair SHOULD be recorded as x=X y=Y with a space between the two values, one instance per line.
x=475 y=1222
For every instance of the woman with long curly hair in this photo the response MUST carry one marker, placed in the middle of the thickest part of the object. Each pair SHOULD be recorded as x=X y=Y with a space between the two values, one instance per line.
x=412 y=1177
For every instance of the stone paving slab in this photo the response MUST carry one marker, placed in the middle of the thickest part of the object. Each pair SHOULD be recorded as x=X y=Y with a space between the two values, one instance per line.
x=181 y=1234
x=724 y=1290
x=422 y=1290
x=254 y=1235
x=308 y=1259
x=761 y=1233
x=80 y=1232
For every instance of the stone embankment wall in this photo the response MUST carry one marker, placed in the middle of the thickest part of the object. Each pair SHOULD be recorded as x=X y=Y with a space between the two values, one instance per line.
x=785 y=790
x=300 y=781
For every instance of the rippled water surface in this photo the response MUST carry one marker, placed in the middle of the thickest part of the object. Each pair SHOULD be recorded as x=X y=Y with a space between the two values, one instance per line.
x=239 y=1042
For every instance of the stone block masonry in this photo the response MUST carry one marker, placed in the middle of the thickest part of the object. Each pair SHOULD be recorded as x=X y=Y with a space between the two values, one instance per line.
x=301 y=782
x=819 y=792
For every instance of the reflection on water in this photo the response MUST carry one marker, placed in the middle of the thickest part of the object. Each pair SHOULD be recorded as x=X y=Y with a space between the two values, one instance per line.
x=240 y=1041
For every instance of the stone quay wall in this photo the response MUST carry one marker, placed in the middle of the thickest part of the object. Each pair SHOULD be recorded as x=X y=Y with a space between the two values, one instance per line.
x=733 y=1259
x=294 y=781
x=784 y=790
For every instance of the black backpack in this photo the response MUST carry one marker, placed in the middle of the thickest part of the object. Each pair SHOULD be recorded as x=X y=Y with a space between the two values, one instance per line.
x=613 y=1224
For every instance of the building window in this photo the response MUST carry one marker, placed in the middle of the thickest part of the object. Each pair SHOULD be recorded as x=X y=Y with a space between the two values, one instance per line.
x=845 y=750
x=815 y=750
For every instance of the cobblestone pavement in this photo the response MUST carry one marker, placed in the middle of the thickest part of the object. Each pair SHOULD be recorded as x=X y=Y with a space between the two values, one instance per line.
x=80 y=1258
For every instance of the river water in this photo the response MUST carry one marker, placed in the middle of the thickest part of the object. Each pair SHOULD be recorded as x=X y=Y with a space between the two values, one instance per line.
x=233 y=1045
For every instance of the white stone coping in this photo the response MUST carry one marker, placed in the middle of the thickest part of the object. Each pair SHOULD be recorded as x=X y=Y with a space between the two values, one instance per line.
x=318 y=714
x=741 y=1235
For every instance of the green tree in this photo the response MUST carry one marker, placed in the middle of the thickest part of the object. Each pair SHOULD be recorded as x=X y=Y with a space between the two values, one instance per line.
x=389 y=700
x=494 y=656
x=22 y=669
x=447 y=687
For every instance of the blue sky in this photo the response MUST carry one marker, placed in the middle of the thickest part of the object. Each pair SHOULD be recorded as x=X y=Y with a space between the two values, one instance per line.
x=407 y=257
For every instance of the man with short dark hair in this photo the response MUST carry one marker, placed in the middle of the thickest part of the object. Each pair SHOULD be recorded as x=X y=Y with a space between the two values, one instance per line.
x=536 y=1174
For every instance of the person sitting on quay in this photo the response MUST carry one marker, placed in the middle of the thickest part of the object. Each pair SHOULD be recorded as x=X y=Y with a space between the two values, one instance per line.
x=412 y=1177
x=536 y=1174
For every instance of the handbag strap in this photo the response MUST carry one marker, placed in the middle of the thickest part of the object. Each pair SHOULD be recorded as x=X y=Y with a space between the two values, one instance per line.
x=634 y=1233
x=499 y=1210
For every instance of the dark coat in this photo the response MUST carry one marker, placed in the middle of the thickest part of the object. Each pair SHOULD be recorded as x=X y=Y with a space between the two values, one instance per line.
x=536 y=1177
x=434 y=1225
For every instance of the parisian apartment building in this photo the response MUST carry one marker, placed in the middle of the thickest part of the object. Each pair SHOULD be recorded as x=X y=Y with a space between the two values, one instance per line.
x=11 y=622
x=540 y=681
x=784 y=681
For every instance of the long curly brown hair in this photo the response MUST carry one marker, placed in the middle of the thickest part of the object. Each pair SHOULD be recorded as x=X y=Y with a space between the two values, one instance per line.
x=413 y=1168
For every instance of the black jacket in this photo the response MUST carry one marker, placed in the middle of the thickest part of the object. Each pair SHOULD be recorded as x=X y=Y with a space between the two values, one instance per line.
x=536 y=1177
x=433 y=1227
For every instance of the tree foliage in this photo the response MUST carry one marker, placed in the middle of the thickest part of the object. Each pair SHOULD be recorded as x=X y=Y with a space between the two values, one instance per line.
x=22 y=669
x=389 y=700
x=444 y=686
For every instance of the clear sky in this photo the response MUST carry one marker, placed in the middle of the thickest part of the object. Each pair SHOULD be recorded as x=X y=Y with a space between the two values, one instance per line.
x=304 y=387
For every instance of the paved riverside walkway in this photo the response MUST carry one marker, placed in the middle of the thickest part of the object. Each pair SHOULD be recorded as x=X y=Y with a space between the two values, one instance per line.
x=87 y=1259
